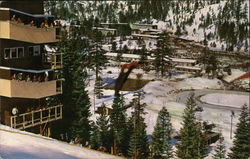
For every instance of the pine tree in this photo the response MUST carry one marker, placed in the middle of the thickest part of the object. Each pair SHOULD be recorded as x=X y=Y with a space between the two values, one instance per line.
x=118 y=126
x=75 y=100
x=162 y=61
x=220 y=150
x=192 y=143
x=103 y=131
x=98 y=59
x=138 y=145
x=81 y=124
x=241 y=143
x=98 y=87
x=161 y=147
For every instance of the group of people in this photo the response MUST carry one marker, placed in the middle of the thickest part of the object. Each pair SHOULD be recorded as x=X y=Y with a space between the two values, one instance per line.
x=42 y=24
x=31 y=77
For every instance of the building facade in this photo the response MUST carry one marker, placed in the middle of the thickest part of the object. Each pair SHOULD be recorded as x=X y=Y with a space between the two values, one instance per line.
x=29 y=75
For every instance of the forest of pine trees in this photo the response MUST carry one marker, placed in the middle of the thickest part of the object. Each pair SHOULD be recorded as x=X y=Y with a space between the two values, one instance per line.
x=229 y=31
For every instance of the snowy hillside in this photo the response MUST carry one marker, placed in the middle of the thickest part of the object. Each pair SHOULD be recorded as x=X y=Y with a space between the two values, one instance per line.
x=222 y=25
x=16 y=144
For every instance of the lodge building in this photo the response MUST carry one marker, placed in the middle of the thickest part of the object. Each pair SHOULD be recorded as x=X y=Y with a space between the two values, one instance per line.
x=29 y=74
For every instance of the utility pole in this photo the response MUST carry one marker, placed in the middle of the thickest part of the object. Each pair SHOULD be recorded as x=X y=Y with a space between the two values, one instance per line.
x=231 y=130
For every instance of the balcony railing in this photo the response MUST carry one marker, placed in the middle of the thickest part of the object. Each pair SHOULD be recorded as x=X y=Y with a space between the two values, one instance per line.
x=54 y=60
x=37 y=117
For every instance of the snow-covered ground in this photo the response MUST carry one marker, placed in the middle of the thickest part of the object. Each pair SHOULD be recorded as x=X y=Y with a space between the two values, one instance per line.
x=231 y=100
x=200 y=83
x=15 y=144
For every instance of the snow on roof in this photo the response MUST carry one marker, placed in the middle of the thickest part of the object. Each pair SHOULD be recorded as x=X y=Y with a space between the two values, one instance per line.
x=109 y=29
x=147 y=36
x=134 y=56
x=184 y=60
x=114 y=23
x=49 y=48
x=144 y=24
x=16 y=144
x=189 y=67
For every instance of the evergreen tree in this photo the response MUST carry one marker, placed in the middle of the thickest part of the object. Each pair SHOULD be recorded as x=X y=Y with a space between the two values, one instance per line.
x=220 y=151
x=161 y=147
x=75 y=100
x=103 y=131
x=81 y=125
x=98 y=87
x=241 y=143
x=138 y=145
x=118 y=126
x=98 y=59
x=192 y=143
x=162 y=61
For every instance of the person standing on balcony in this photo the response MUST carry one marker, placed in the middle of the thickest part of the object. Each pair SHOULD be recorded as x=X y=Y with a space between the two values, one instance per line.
x=13 y=18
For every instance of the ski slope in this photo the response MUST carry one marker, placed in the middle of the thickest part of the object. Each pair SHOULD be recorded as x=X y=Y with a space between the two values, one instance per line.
x=15 y=144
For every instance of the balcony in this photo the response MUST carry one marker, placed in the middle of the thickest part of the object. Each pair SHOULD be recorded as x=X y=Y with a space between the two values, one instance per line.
x=21 y=26
x=27 y=33
x=37 y=117
x=53 y=60
x=35 y=84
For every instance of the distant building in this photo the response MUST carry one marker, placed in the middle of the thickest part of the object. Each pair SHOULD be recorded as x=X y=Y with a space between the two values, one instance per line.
x=106 y=31
x=143 y=26
x=180 y=65
x=28 y=74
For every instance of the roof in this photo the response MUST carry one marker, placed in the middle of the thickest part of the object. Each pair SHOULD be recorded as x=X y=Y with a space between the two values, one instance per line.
x=134 y=56
x=147 y=36
x=188 y=67
x=32 y=15
x=108 y=29
x=144 y=24
x=183 y=60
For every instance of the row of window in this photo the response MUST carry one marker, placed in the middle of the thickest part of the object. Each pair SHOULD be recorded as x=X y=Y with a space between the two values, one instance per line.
x=18 y=52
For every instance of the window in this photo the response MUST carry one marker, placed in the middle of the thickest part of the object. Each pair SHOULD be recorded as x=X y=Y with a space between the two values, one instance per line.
x=34 y=50
x=13 y=53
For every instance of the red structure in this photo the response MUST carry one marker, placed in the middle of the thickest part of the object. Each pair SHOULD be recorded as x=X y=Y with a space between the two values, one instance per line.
x=246 y=75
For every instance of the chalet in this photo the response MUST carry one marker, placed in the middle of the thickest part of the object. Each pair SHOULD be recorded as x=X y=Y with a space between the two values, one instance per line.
x=28 y=73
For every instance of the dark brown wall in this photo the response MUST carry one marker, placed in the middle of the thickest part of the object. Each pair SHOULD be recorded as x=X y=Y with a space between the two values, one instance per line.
x=4 y=15
x=26 y=62
x=29 y=6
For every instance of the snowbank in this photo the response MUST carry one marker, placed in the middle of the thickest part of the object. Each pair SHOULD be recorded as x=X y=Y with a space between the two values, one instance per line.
x=200 y=83
x=231 y=100
x=17 y=144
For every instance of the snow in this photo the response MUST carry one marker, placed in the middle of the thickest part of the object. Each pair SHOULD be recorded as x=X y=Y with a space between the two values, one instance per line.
x=231 y=100
x=200 y=83
x=16 y=144
x=234 y=74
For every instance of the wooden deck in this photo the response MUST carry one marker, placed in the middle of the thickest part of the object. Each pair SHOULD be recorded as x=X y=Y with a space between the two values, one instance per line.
x=37 y=117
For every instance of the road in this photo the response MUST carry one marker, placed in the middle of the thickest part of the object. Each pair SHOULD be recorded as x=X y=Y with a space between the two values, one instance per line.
x=182 y=97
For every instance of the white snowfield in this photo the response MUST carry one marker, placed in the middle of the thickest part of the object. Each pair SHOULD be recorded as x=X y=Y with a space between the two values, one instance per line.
x=230 y=100
x=200 y=83
x=15 y=144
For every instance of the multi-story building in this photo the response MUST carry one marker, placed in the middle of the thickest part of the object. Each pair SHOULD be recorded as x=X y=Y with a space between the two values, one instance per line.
x=28 y=73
